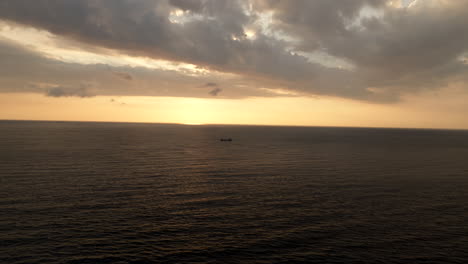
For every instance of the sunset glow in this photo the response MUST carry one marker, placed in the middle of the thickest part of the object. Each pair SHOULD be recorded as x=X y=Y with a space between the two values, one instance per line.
x=269 y=77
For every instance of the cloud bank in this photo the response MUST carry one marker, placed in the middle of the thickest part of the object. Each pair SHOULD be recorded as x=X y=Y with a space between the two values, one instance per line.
x=373 y=50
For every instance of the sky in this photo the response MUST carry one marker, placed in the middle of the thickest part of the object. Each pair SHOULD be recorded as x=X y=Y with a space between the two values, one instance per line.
x=371 y=63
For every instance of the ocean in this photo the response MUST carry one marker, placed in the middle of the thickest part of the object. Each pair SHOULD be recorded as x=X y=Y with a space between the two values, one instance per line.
x=83 y=192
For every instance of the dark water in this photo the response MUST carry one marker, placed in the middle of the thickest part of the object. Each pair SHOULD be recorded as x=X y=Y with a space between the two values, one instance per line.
x=144 y=193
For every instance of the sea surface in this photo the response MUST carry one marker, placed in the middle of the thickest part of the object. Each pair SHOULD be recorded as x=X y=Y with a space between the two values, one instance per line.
x=73 y=192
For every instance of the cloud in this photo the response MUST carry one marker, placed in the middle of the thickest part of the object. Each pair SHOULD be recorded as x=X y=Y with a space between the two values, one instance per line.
x=408 y=48
x=301 y=46
x=211 y=84
x=215 y=88
x=215 y=91
x=68 y=92
x=124 y=75
x=112 y=100
x=82 y=90
x=25 y=70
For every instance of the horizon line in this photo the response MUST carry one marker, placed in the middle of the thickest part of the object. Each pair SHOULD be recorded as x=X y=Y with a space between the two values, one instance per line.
x=219 y=124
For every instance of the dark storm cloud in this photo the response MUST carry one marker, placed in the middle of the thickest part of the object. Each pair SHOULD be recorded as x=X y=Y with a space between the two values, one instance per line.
x=391 y=50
